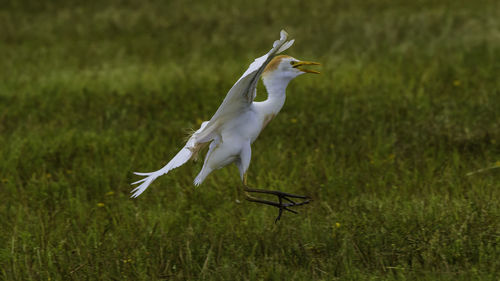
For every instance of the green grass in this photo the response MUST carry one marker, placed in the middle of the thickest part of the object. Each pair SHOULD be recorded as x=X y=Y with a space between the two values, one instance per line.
x=407 y=105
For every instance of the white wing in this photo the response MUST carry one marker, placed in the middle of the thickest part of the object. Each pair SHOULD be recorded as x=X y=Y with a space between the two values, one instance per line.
x=243 y=92
x=237 y=99
x=179 y=159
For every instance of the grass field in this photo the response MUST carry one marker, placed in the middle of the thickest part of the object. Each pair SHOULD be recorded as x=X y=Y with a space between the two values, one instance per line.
x=383 y=140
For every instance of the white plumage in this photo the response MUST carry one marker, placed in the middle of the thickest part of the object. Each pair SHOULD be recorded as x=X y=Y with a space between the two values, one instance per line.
x=239 y=120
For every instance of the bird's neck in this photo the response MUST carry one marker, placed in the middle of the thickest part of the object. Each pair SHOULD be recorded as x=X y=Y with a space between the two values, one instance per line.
x=276 y=94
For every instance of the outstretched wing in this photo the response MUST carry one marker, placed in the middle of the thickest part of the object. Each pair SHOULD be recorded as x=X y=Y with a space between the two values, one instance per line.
x=237 y=99
x=186 y=153
x=244 y=91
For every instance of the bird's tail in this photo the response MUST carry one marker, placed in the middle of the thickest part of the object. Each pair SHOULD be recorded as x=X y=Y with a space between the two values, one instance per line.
x=201 y=176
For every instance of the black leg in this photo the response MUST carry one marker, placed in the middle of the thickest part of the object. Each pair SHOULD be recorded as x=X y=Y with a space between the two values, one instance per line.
x=281 y=196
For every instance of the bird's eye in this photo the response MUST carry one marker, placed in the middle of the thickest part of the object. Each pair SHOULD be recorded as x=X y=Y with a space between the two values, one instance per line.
x=293 y=63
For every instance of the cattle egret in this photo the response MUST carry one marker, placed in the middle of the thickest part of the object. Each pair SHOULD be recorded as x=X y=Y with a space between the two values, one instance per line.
x=237 y=123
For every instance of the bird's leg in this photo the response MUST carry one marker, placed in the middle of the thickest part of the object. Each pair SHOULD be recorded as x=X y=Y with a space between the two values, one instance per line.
x=281 y=196
x=238 y=195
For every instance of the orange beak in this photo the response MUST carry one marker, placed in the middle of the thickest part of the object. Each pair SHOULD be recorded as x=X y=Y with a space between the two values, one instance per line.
x=301 y=63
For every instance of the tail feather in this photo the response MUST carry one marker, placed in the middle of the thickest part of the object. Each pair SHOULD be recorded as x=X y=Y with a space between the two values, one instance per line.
x=200 y=178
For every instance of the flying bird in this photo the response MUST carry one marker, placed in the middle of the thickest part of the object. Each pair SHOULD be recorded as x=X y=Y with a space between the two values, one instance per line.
x=238 y=122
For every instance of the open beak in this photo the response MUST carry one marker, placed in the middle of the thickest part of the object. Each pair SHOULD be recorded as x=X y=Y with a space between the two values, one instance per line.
x=302 y=63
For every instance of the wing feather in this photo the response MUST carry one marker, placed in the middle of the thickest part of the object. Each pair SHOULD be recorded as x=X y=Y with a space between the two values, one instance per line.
x=243 y=92
x=239 y=97
x=179 y=159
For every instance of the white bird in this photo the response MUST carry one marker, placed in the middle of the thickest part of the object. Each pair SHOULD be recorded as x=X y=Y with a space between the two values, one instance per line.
x=238 y=122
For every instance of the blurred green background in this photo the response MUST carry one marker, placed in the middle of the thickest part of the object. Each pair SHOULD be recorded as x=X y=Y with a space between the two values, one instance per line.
x=397 y=141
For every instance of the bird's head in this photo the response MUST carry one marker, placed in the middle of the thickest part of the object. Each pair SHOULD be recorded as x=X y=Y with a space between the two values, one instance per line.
x=286 y=67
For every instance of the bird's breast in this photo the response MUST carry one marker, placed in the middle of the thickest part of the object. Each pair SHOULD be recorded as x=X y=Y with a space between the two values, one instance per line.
x=267 y=119
x=245 y=126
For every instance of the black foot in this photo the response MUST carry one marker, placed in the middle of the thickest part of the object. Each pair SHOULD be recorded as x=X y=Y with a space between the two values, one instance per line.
x=280 y=205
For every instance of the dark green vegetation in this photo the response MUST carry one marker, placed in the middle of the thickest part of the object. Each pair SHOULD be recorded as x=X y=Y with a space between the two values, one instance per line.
x=407 y=105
